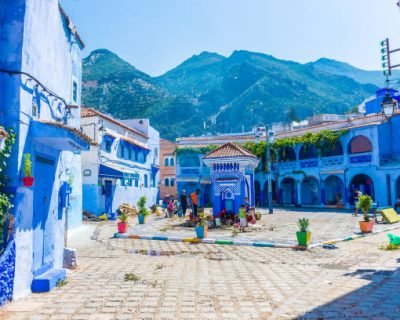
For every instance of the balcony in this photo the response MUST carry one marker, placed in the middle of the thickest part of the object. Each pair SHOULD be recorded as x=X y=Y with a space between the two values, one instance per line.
x=309 y=163
x=365 y=157
x=288 y=165
x=332 y=161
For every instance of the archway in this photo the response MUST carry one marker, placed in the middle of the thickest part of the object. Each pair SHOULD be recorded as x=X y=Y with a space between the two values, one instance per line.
x=360 y=144
x=257 y=193
x=363 y=183
x=310 y=193
x=265 y=191
x=287 y=154
x=308 y=151
x=288 y=191
x=332 y=150
x=334 y=190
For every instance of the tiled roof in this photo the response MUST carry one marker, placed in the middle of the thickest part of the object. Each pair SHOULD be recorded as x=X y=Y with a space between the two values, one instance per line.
x=90 y=112
x=134 y=142
x=73 y=130
x=207 y=139
x=229 y=150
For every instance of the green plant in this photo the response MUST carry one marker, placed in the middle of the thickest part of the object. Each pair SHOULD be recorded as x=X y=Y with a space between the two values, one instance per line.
x=365 y=203
x=27 y=165
x=390 y=247
x=303 y=224
x=202 y=220
x=131 y=277
x=123 y=217
x=143 y=211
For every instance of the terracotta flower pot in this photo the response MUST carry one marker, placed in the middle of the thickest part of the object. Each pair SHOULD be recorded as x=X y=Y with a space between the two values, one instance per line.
x=366 y=226
x=303 y=238
x=28 y=181
x=122 y=227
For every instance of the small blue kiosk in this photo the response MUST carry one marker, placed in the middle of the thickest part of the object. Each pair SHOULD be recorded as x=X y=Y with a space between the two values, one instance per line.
x=232 y=177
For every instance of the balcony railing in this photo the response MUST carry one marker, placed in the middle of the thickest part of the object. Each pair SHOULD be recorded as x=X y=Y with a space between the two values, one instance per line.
x=309 y=163
x=361 y=158
x=332 y=161
x=288 y=165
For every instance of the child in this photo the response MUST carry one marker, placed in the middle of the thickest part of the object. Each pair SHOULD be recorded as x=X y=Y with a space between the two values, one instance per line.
x=242 y=217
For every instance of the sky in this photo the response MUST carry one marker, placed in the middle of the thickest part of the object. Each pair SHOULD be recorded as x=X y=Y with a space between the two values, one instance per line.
x=157 y=35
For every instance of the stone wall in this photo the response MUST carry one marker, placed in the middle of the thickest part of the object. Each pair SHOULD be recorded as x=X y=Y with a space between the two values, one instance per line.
x=7 y=269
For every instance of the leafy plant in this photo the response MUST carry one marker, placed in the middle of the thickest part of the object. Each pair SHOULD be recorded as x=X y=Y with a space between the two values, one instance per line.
x=143 y=211
x=365 y=203
x=123 y=217
x=131 y=277
x=202 y=220
x=303 y=224
x=27 y=165
x=390 y=247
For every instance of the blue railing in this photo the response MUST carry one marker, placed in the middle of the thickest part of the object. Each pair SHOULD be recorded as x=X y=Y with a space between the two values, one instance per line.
x=332 y=161
x=361 y=158
x=309 y=163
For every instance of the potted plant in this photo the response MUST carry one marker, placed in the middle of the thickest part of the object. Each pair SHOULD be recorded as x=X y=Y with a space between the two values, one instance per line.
x=27 y=179
x=143 y=212
x=365 y=203
x=201 y=227
x=303 y=235
x=122 y=224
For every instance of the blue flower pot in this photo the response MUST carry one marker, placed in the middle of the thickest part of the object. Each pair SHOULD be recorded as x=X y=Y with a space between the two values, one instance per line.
x=201 y=231
x=180 y=214
x=141 y=219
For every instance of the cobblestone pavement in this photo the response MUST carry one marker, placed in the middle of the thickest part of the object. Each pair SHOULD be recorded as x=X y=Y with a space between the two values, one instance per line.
x=279 y=227
x=196 y=281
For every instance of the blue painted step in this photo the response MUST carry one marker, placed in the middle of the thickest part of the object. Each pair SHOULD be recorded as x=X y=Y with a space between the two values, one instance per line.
x=48 y=280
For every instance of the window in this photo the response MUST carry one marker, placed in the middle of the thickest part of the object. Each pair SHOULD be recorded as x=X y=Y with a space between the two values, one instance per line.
x=141 y=157
x=137 y=182
x=166 y=162
x=145 y=181
x=360 y=144
x=172 y=182
x=129 y=153
x=74 y=91
x=108 y=146
x=166 y=182
x=122 y=151
x=172 y=162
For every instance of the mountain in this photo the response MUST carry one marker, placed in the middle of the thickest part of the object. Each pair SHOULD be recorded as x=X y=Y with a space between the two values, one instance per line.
x=345 y=69
x=226 y=94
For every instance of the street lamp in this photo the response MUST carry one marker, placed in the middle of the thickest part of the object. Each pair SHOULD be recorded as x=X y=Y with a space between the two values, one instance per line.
x=388 y=105
x=269 y=138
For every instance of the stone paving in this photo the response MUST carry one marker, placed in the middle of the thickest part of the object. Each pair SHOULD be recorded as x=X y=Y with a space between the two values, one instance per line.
x=279 y=227
x=197 y=281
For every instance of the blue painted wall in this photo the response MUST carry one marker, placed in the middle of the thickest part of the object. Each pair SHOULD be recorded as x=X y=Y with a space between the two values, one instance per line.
x=7 y=270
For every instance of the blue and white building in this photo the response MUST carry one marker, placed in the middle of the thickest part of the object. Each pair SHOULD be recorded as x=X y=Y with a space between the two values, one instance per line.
x=124 y=164
x=40 y=93
x=367 y=157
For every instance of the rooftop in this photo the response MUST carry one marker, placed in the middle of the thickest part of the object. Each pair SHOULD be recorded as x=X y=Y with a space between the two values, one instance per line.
x=90 y=112
x=229 y=150
x=71 y=26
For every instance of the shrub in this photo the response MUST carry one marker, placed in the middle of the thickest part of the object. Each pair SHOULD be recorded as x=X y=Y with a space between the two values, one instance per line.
x=303 y=224
x=142 y=206
x=365 y=203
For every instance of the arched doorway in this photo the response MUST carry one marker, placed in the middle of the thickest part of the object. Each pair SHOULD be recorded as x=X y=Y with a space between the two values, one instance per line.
x=310 y=192
x=363 y=183
x=265 y=202
x=288 y=191
x=257 y=193
x=360 y=144
x=334 y=189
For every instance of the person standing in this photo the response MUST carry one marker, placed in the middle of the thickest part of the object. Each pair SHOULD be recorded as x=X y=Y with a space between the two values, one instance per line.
x=184 y=202
x=194 y=197
x=357 y=195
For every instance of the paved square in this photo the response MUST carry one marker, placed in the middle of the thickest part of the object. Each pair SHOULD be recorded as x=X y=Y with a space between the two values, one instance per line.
x=203 y=281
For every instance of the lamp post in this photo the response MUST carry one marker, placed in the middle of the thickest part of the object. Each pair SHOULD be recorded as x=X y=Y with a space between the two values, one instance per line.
x=269 y=138
x=388 y=105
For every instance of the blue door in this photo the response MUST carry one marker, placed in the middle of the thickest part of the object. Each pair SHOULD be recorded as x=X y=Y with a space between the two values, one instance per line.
x=108 y=195
x=43 y=220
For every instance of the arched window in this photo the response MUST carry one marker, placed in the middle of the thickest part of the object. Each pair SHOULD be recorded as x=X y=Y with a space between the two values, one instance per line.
x=308 y=151
x=360 y=144
x=332 y=150
x=172 y=162
x=166 y=182
x=172 y=182
x=166 y=162
x=287 y=154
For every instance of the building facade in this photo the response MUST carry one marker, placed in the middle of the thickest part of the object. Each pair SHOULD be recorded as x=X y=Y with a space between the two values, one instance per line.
x=124 y=164
x=40 y=81
x=366 y=157
x=167 y=168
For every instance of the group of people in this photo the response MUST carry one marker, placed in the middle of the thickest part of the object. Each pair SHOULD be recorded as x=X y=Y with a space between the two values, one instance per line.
x=178 y=205
x=240 y=219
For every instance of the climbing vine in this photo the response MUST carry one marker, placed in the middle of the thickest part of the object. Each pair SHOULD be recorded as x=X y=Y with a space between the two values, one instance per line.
x=201 y=150
x=5 y=153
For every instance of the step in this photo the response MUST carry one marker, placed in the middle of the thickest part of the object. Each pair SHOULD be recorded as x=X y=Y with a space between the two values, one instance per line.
x=48 y=280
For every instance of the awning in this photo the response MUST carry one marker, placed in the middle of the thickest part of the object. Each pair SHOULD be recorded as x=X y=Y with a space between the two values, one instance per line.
x=111 y=170
x=59 y=136
x=154 y=169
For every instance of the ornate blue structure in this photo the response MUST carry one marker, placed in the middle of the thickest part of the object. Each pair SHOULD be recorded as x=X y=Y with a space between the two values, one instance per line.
x=232 y=177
